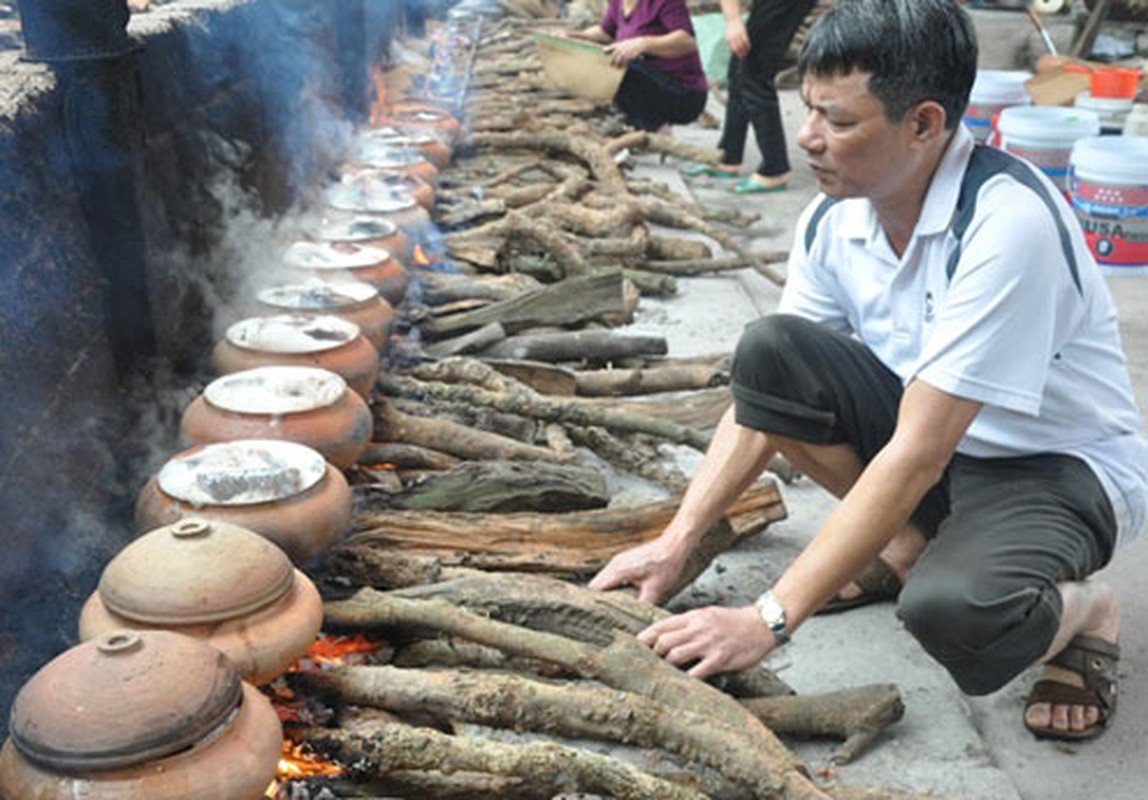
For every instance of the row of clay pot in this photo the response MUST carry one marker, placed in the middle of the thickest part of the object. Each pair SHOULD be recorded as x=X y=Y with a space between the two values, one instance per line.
x=157 y=701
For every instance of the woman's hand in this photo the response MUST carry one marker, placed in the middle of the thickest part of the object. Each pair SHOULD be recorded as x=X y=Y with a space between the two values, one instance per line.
x=717 y=639
x=737 y=37
x=623 y=52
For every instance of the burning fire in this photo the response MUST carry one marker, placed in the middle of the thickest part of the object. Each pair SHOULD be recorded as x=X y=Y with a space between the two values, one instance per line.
x=296 y=764
x=329 y=650
x=420 y=256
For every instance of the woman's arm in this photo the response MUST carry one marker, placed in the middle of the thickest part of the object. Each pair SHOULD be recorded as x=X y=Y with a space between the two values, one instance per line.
x=669 y=45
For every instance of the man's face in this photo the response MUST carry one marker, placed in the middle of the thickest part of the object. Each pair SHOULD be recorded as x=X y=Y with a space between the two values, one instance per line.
x=851 y=146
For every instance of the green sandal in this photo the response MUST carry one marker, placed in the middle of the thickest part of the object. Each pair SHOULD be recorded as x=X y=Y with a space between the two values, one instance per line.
x=707 y=171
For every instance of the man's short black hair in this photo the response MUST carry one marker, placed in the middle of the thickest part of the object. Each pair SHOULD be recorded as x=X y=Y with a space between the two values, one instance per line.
x=913 y=50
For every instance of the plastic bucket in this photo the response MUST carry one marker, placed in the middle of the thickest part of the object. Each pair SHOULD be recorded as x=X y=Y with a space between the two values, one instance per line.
x=1109 y=193
x=993 y=90
x=1112 y=111
x=1044 y=135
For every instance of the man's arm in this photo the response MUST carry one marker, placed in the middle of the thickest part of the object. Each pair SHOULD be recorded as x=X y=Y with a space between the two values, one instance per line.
x=930 y=424
x=735 y=458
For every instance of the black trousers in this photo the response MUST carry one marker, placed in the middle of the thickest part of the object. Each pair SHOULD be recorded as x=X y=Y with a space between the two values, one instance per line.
x=650 y=99
x=752 y=93
x=1003 y=532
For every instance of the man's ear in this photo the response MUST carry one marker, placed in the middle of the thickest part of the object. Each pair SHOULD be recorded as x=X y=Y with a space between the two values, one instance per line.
x=927 y=121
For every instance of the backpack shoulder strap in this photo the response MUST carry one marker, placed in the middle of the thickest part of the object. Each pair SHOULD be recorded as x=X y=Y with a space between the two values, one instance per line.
x=985 y=163
x=815 y=221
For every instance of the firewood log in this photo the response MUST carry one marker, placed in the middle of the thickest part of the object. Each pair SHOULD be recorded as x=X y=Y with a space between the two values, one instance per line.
x=406 y=456
x=647 y=380
x=451 y=438
x=396 y=746
x=594 y=347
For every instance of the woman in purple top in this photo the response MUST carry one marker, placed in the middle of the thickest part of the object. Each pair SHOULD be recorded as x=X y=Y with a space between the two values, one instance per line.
x=654 y=40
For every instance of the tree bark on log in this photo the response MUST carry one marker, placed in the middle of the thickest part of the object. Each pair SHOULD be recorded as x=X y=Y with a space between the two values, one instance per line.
x=572 y=301
x=541 y=376
x=451 y=438
x=586 y=345
x=537 y=407
x=599 y=159
x=575 y=543
x=399 y=747
x=406 y=456
x=647 y=380
x=494 y=487
x=857 y=715
x=625 y=664
x=571 y=711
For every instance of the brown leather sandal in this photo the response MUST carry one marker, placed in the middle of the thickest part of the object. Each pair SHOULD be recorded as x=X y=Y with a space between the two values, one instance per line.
x=1095 y=660
x=878 y=582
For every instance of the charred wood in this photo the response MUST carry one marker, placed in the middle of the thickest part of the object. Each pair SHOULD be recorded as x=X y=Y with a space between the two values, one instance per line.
x=406 y=456
x=587 y=346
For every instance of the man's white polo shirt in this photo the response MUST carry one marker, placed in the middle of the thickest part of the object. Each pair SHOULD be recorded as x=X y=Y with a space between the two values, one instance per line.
x=1024 y=324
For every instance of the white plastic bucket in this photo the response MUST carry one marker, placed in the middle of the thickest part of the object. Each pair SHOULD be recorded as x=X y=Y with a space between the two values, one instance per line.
x=1109 y=193
x=993 y=91
x=1044 y=135
x=1113 y=111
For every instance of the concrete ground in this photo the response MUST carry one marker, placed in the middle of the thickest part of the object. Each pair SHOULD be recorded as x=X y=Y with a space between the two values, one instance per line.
x=953 y=746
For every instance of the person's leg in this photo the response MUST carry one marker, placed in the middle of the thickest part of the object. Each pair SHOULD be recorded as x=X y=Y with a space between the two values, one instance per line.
x=828 y=404
x=735 y=125
x=1003 y=584
x=649 y=99
x=771 y=27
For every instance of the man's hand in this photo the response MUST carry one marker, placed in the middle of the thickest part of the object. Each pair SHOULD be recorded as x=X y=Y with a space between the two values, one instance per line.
x=718 y=639
x=653 y=567
x=737 y=37
x=623 y=52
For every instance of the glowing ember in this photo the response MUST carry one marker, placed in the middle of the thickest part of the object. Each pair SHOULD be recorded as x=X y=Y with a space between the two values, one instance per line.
x=296 y=764
x=329 y=650
x=420 y=256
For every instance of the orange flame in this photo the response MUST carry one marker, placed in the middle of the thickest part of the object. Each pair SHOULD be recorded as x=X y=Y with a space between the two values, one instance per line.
x=420 y=256
x=330 y=650
x=296 y=764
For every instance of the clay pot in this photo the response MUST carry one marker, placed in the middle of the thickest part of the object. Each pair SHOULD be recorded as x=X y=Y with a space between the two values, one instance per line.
x=433 y=148
x=418 y=187
x=216 y=582
x=305 y=405
x=423 y=116
x=300 y=340
x=376 y=153
x=365 y=230
x=284 y=491
x=355 y=301
x=331 y=261
x=379 y=200
x=148 y=715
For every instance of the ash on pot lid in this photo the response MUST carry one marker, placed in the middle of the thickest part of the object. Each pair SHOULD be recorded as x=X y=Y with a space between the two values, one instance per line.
x=364 y=193
x=353 y=229
x=276 y=390
x=387 y=153
x=242 y=473
x=292 y=333
x=317 y=295
x=396 y=136
x=333 y=255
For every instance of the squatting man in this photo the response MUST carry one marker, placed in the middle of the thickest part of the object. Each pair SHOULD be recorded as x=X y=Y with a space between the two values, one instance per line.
x=946 y=361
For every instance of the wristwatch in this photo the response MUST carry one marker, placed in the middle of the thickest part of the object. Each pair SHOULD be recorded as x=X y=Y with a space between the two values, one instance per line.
x=772 y=613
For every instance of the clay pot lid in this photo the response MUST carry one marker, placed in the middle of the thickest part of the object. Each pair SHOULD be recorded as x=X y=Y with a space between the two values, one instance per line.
x=193 y=572
x=355 y=229
x=333 y=255
x=399 y=137
x=363 y=194
x=276 y=390
x=317 y=295
x=124 y=699
x=384 y=153
x=292 y=333
x=243 y=472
